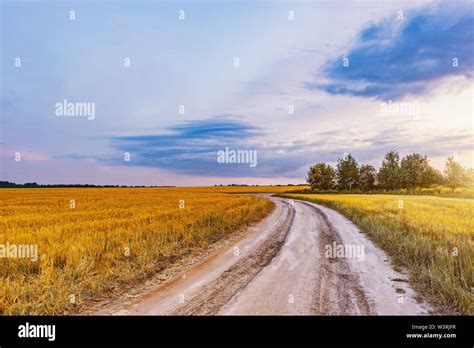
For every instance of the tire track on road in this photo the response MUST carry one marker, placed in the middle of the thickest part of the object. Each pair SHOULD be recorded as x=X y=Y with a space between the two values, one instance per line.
x=282 y=269
x=214 y=295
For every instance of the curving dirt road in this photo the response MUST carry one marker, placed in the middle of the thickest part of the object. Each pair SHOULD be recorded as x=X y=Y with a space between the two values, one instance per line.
x=288 y=264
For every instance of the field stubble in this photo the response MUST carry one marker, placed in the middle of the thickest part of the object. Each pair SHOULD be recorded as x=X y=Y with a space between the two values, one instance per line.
x=432 y=236
x=93 y=240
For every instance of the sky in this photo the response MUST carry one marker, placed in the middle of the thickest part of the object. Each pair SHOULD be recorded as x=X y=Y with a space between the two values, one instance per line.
x=170 y=84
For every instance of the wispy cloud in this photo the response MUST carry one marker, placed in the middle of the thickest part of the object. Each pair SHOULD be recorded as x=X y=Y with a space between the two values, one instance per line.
x=191 y=148
x=395 y=58
x=388 y=59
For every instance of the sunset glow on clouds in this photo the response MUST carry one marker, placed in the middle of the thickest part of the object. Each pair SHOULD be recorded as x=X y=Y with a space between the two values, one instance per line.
x=182 y=99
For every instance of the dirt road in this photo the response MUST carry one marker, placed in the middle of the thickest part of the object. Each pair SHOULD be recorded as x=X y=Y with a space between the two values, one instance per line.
x=304 y=259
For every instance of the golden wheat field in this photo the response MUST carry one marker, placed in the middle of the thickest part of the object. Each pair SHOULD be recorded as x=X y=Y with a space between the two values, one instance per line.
x=93 y=240
x=432 y=236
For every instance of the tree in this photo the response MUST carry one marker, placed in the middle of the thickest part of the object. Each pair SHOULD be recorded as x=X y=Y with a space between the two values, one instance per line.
x=470 y=177
x=389 y=173
x=321 y=176
x=367 y=176
x=455 y=173
x=347 y=172
x=412 y=168
x=431 y=176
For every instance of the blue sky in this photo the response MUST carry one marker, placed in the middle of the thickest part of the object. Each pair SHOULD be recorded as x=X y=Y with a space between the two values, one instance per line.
x=401 y=57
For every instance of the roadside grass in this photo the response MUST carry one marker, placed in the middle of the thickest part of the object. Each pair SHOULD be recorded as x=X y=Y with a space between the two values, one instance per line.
x=112 y=237
x=432 y=236
x=243 y=189
x=438 y=191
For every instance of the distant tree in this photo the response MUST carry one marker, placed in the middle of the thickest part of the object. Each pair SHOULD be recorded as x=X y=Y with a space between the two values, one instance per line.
x=7 y=184
x=431 y=176
x=412 y=168
x=455 y=173
x=347 y=172
x=367 y=176
x=389 y=173
x=30 y=184
x=321 y=176
x=470 y=177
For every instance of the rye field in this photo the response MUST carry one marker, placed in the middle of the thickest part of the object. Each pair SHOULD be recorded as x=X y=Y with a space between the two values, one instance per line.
x=432 y=236
x=94 y=240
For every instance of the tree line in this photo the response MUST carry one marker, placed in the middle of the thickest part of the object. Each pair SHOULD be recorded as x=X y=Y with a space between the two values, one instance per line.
x=8 y=184
x=412 y=171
